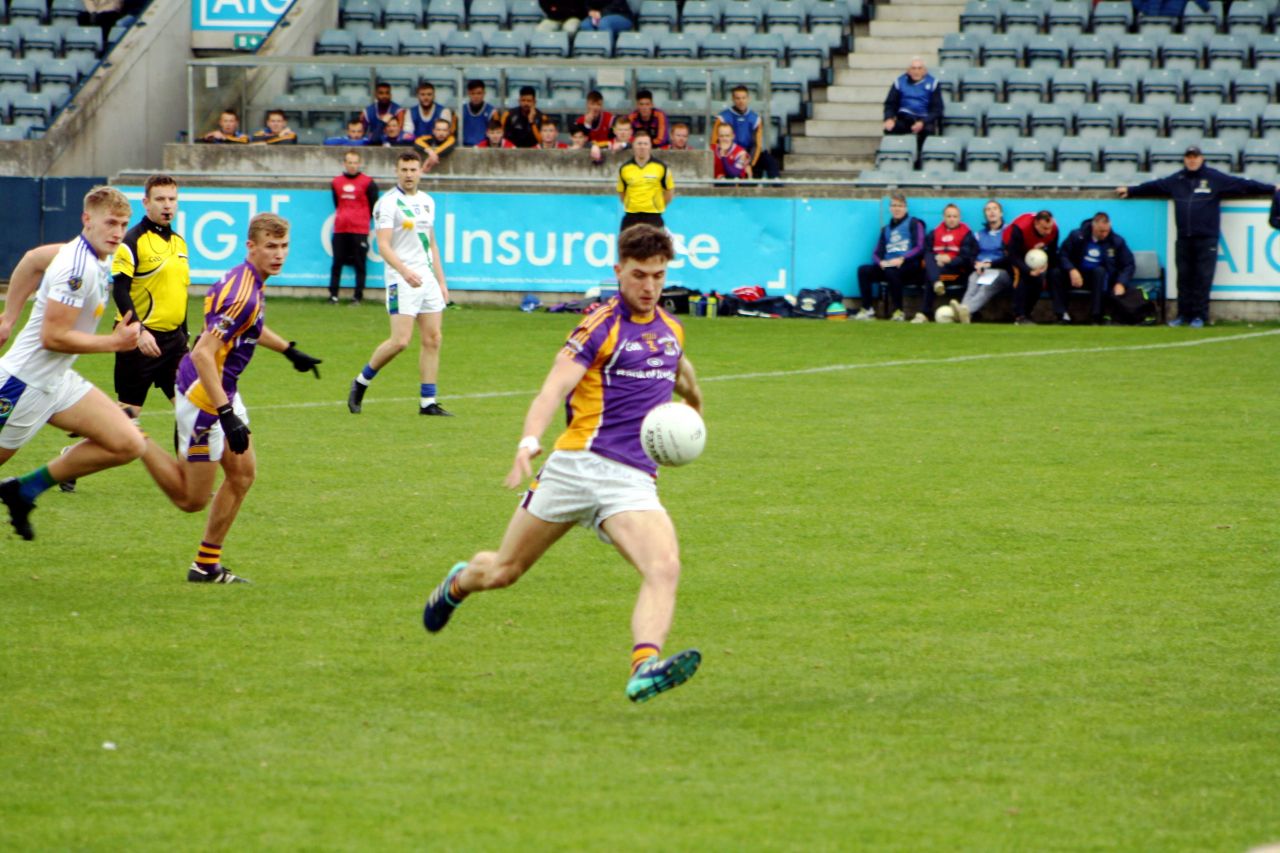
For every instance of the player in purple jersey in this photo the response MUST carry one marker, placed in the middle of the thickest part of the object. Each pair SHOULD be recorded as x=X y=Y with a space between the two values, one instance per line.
x=624 y=359
x=211 y=415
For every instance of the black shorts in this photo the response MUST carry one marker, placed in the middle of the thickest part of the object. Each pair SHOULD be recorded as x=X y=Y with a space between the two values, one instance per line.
x=136 y=373
x=641 y=219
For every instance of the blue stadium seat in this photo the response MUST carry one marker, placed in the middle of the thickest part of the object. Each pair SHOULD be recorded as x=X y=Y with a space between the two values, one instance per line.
x=1260 y=159
x=1077 y=156
x=947 y=79
x=1026 y=86
x=1189 y=122
x=569 y=85
x=403 y=80
x=1228 y=52
x=1185 y=52
x=1051 y=122
x=1068 y=19
x=554 y=44
x=1024 y=17
x=525 y=13
x=1270 y=124
x=17 y=75
x=32 y=11
x=1220 y=153
x=446 y=14
x=896 y=153
x=1203 y=24
x=985 y=156
x=1165 y=154
x=959 y=50
x=942 y=154
x=1006 y=121
x=402 y=13
x=765 y=46
x=310 y=80
x=351 y=82
x=1094 y=51
x=463 y=43
x=41 y=41
x=65 y=10
x=1235 y=122
x=36 y=106
x=1115 y=86
x=982 y=85
x=592 y=44
x=1208 y=86
x=1112 y=16
x=1255 y=87
x=1248 y=18
x=378 y=43
x=982 y=17
x=726 y=45
x=742 y=16
x=419 y=43
x=490 y=76
x=1003 y=50
x=1124 y=158
x=1048 y=52
x=487 y=15
x=4 y=119
x=634 y=45
x=1162 y=86
x=817 y=45
x=658 y=16
x=678 y=45
x=1143 y=121
x=10 y=41
x=336 y=43
x=664 y=83
x=518 y=78
x=1072 y=86
x=82 y=41
x=832 y=15
x=56 y=76
x=1098 y=121
x=1137 y=52
x=1031 y=156
x=788 y=80
x=963 y=120
x=700 y=16
x=360 y=15
x=1159 y=26
x=786 y=17
x=514 y=43
x=1266 y=52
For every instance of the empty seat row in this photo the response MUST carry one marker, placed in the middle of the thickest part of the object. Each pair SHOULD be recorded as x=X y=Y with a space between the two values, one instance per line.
x=1077 y=16
x=1137 y=52
x=1053 y=121
x=1109 y=85
x=27 y=109
x=32 y=40
x=40 y=12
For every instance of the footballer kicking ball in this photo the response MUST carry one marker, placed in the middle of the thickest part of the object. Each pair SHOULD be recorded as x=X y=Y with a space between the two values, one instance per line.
x=1037 y=259
x=673 y=434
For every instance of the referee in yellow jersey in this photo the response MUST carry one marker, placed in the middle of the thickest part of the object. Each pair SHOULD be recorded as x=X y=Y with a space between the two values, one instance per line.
x=645 y=185
x=151 y=276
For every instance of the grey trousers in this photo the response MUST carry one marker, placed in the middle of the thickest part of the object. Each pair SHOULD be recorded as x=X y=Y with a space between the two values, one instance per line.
x=977 y=295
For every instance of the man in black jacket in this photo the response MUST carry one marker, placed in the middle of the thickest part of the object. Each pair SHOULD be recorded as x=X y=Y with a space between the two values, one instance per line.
x=1096 y=259
x=1197 y=192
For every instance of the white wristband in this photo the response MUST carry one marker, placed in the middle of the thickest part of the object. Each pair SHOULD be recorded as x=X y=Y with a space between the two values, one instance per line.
x=529 y=443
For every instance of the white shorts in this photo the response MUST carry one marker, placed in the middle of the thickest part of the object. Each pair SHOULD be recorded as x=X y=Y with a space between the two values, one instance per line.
x=200 y=437
x=427 y=298
x=23 y=409
x=581 y=486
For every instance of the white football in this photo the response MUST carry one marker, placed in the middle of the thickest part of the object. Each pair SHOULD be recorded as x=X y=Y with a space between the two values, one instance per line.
x=1037 y=259
x=944 y=314
x=673 y=434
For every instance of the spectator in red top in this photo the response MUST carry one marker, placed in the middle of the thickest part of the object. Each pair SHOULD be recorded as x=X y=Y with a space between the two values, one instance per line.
x=597 y=120
x=354 y=194
x=679 y=137
x=495 y=137
x=550 y=135
x=648 y=118
x=228 y=130
x=948 y=257
x=1026 y=232
x=621 y=139
x=732 y=160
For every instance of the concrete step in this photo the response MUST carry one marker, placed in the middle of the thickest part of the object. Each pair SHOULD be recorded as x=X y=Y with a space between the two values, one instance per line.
x=848 y=112
x=867 y=93
x=823 y=163
x=838 y=128
x=910 y=29
x=858 y=146
x=834 y=178
x=915 y=12
x=875 y=78
x=898 y=62
x=900 y=45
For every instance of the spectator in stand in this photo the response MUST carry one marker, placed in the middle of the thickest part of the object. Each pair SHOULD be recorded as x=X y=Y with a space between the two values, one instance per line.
x=897 y=260
x=420 y=119
x=621 y=140
x=227 y=131
x=376 y=114
x=748 y=131
x=393 y=135
x=1026 y=232
x=549 y=135
x=948 y=257
x=648 y=118
x=524 y=123
x=476 y=114
x=610 y=16
x=354 y=195
x=646 y=186
x=355 y=135
x=495 y=136
x=1095 y=258
x=679 y=137
x=914 y=105
x=1168 y=8
x=277 y=131
x=597 y=120
x=562 y=15
x=579 y=138
x=731 y=159
x=1197 y=192
x=990 y=267
x=439 y=144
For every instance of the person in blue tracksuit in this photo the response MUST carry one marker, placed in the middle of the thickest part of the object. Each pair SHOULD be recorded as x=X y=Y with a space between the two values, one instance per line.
x=898 y=260
x=914 y=105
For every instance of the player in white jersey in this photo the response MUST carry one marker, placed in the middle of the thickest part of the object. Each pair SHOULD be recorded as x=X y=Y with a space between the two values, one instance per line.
x=404 y=222
x=37 y=384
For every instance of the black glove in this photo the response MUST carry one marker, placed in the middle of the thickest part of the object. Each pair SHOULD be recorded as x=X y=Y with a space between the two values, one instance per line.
x=234 y=429
x=301 y=361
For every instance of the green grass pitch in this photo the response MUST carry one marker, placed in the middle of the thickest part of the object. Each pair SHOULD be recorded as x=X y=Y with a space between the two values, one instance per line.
x=981 y=588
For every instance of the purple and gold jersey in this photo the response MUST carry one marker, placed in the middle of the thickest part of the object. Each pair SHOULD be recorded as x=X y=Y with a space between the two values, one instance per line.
x=234 y=313
x=631 y=368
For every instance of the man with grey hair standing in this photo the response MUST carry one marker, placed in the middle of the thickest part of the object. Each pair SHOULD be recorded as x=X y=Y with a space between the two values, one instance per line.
x=914 y=105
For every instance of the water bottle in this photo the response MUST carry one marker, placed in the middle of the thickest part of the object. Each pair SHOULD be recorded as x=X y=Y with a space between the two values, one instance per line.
x=713 y=305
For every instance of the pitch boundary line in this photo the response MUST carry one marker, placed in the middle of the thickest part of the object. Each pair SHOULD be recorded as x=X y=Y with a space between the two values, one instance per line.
x=829 y=368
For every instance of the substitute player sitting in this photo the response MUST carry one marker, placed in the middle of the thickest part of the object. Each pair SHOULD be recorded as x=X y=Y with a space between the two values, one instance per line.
x=624 y=359
x=404 y=219
x=37 y=384
x=212 y=418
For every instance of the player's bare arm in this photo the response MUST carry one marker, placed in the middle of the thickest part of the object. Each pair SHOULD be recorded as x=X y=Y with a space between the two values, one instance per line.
x=58 y=332
x=565 y=375
x=687 y=384
x=204 y=357
x=23 y=282
x=437 y=266
x=393 y=260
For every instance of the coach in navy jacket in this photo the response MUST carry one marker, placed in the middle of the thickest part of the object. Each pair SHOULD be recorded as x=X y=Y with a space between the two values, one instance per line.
x=1196 y=192
x=1098 y=259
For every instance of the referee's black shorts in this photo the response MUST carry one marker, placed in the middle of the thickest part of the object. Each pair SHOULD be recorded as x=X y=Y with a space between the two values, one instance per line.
x=641 y=219
x=137 y=373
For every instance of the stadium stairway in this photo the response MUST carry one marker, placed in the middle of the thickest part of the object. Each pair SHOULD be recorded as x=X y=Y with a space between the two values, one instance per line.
x=841 y=138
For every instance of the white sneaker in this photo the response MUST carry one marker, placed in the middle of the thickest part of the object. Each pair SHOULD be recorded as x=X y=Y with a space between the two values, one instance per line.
x=963 y=314
x=898 y=316
x=865 y=314
x=939 y=288
x=920 y=317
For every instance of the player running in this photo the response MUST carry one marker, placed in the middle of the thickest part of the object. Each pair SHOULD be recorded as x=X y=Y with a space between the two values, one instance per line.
x=37 y=384
x=404 y=219
x=624 y=359
x=212 y=417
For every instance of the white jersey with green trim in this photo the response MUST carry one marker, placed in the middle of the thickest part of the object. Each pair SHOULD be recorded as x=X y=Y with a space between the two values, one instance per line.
x=409 y=217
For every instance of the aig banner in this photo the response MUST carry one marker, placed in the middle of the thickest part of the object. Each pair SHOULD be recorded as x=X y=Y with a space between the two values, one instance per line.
x=1248 y=253
x=239 y=16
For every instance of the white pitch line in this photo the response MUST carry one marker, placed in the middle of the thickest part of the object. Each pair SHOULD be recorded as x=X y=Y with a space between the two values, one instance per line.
x=829 y=368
